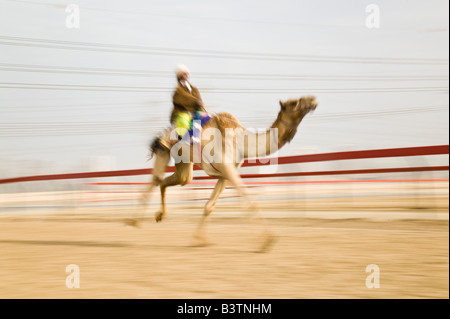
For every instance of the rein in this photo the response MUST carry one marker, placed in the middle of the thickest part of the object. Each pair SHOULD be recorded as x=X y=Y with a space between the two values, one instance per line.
x=289 y=125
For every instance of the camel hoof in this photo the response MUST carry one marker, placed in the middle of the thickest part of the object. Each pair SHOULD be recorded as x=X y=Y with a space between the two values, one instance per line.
x=132 y=222
x=200 y=241
x=252 y=207
x=159 y=217
x=268 y=242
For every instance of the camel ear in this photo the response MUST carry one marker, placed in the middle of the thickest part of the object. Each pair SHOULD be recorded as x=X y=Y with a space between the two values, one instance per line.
x=283 y=105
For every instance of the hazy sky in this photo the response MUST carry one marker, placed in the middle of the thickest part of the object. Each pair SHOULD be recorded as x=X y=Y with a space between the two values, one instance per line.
x=69 y=96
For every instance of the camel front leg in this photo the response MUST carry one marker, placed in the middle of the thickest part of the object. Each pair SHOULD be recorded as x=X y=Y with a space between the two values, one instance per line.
x=231 y=173
x=182 y=176
x=160 y=166
x=218 y=189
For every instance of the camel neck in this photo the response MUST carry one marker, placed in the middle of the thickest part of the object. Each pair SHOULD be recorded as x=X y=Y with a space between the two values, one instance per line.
x=258 y=144
x=286 y=127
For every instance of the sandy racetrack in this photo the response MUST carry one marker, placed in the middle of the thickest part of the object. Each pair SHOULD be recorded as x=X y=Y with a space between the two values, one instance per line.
x=313 y=258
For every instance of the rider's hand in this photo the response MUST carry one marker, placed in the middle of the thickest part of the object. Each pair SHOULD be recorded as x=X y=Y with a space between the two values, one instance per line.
x=201 y=106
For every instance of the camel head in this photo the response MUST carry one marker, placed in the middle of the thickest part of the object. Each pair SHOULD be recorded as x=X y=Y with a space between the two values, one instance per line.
x=297 y=109
x=308 y=103
x=291 y=114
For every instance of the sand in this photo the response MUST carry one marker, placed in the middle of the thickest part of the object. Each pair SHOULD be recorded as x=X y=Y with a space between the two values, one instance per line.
x=312 y=258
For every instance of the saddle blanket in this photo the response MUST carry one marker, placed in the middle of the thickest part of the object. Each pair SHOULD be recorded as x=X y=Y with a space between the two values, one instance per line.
x=199 y=119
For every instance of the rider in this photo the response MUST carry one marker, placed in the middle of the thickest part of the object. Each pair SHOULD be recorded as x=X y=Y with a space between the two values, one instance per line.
x=186 y=101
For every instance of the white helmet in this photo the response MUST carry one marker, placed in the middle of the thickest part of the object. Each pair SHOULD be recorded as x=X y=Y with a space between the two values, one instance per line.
x=181 y=69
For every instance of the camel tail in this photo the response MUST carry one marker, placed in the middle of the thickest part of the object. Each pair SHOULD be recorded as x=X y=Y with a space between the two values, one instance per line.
x=155 y=145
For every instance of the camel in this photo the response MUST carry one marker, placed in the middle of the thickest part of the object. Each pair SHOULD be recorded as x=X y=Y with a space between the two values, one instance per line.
x=225 y=164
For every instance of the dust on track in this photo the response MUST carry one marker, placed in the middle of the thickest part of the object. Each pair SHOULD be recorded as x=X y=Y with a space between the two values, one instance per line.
x=312 y=258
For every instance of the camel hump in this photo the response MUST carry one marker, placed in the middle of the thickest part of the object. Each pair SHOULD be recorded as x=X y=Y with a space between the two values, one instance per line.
x=227 y=120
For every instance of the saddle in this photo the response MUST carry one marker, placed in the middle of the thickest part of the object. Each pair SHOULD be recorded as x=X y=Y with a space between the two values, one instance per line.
x=192 y=131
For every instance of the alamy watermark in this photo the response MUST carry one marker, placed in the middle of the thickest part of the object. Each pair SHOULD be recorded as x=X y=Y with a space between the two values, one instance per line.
x=229 y=146
x=73 y=279
x=373 y=279
x=73 y=17
x=373 y=19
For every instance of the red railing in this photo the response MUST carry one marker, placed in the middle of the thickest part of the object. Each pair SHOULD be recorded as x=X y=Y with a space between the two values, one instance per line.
x=335 y=156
